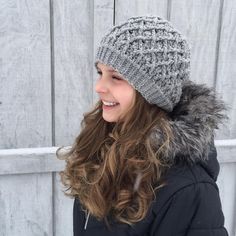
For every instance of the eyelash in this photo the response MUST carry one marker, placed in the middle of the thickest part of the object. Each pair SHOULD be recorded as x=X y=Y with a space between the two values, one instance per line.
x=100 y=73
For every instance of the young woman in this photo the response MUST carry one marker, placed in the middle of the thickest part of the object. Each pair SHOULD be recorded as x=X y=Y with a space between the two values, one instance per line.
x=145 y=160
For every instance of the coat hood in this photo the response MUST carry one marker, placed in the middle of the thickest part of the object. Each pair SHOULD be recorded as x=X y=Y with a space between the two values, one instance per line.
x=193 y=122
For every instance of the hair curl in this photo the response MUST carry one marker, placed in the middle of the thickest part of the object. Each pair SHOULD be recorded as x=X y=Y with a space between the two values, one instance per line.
x=114 y=168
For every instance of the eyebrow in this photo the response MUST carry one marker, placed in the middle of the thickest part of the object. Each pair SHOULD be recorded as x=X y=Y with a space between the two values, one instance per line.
x=110 y=70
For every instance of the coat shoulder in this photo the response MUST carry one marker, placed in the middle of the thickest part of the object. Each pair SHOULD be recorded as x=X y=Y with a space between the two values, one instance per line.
x=193 y=195
x=178 y=179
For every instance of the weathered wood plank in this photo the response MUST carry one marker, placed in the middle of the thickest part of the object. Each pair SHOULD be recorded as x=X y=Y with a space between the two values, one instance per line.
x=25 y=91
x=29 y=160
x=103 y=20
x=40 y=160
x=63 y=211
x=26 y=205
x=127 y=8
x=226 y=151
x=226 y=69
x=73 y=56
x=199 y=22
x=227 y=187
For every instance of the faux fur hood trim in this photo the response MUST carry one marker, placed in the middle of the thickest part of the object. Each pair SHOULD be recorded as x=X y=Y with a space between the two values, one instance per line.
x=193 y=121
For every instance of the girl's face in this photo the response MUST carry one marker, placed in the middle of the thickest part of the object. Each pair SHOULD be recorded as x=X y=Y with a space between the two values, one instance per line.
x=116 y=93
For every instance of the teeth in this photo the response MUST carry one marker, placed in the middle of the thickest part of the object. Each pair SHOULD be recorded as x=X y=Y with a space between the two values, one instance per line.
x=109 y=103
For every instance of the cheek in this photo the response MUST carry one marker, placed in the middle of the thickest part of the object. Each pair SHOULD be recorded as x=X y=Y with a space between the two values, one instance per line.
x=128 y=98
x=132 y=98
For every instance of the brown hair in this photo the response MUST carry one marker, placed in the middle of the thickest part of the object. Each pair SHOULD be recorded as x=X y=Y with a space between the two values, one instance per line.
x=114 y=168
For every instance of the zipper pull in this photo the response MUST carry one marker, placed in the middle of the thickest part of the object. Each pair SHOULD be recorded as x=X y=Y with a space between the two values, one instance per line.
x=87 y=218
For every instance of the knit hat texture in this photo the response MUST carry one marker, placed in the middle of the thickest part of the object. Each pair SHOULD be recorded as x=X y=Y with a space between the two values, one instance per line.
x=151 y=55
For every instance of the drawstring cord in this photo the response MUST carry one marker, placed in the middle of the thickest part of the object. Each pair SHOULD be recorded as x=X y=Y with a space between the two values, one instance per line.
x=87 y=218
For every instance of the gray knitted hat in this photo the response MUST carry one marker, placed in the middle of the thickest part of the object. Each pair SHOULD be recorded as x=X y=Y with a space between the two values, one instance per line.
x=151 y=55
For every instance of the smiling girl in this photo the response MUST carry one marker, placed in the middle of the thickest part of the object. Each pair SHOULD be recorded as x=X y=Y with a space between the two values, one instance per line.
x=145 y=162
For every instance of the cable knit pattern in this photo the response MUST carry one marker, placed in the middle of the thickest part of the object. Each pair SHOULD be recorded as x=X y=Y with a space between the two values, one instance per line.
x=152 y=56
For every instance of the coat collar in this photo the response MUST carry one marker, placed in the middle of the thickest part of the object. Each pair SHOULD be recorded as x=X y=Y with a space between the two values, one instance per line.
x=193 y=121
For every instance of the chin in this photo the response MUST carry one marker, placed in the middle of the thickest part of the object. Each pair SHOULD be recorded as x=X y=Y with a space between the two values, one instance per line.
x=110 y=119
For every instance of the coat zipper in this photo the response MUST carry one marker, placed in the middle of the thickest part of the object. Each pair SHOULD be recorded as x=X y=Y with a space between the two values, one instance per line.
x=87 y=218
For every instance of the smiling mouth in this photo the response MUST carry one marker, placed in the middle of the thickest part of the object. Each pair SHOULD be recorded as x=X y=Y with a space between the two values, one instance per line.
x=108 y=107
x=109 y=103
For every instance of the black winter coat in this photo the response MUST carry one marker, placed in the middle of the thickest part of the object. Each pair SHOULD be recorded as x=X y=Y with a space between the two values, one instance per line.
x=189 y=205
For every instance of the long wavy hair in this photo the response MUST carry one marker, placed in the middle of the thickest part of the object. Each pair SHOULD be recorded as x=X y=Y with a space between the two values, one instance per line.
x=115 y=168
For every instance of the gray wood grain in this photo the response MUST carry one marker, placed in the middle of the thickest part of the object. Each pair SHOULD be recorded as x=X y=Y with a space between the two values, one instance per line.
x=26 y=205
x=29 y=160
x=127 y=8
x=73 y=56
x=227 y=188
x=103 y=21
x=199 y=22
x=226 y=69
x=25 y=91
x=42 y=160
x=63 y=210
x=48 y=78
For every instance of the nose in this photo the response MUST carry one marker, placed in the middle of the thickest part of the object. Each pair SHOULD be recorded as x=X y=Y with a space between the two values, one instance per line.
x=101 y=85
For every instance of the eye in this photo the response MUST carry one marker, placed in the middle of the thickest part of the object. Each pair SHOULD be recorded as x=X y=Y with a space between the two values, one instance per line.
x=113 y=77
x=116 y=78
x=99 y=73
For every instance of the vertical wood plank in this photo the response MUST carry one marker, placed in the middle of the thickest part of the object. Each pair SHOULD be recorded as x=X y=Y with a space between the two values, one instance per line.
x=199 y=22
x=25 y=91
x=226 y=69
x=127 y=8
x=26 y=203
x=227 y=187
x=63 y=211
x=103 y=20
x=73 y=49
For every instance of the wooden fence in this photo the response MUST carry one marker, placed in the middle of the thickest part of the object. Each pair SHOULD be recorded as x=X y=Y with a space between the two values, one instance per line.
x=47 y=82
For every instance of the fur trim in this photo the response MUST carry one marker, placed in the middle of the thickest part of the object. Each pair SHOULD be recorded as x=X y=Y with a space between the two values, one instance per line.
x=193 y=121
